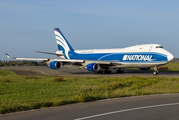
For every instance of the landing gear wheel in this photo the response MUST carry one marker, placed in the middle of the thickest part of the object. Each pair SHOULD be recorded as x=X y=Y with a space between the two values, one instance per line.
x=120 y=71
x=100 y=72
x=155 y=72
x=107 y=71
x=94 y=72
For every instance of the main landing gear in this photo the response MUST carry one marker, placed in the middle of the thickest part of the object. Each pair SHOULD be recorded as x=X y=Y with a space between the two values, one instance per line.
x=155 y=72
x=106 y=71
x=120 y=71
x=109 y=71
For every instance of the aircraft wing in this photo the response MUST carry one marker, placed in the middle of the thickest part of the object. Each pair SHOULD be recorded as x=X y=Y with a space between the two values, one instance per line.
x=104 y=62
x=47 y=59
x=24 y=58
x=70 y=60
x=109 y=63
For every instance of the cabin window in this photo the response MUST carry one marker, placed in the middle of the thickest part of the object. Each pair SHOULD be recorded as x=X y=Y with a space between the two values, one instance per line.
x=159 y=46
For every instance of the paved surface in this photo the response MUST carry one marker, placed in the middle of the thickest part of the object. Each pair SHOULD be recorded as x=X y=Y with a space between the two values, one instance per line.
x=74 y=71
x=152 y=107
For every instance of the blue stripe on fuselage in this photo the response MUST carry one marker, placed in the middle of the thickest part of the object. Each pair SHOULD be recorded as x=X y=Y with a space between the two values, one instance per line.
x=132 y=57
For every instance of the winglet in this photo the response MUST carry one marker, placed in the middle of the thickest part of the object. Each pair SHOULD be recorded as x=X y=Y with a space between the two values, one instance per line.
x=8 y=56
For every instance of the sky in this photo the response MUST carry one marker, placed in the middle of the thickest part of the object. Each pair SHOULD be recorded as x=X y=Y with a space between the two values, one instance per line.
x=27 y=25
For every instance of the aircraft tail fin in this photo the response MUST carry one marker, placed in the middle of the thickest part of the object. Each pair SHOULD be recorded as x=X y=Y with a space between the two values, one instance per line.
x=62 y=43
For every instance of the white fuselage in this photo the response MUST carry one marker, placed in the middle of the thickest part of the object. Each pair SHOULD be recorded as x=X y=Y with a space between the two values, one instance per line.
x=140 y=56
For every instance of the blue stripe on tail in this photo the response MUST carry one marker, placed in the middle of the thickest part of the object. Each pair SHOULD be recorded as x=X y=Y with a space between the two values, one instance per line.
x=62 y=42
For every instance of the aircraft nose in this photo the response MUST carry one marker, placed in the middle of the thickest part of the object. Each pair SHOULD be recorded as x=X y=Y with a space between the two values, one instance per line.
x=170 y=57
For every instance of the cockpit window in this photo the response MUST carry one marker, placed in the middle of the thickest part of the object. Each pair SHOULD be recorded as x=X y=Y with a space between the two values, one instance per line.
x=159 y=46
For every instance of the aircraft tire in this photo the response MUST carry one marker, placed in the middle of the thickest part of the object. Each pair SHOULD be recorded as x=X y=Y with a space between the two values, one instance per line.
x=155 y=72
x=120 y=71
x=107 y=71
x=100 y=72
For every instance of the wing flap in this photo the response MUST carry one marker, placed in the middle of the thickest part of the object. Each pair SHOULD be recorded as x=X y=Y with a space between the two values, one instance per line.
x=104 y=62
x=69 y=60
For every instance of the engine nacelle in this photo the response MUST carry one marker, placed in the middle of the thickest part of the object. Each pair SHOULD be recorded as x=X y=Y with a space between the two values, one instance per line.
x=93 y=67
x=55 y=65
x=145 y=68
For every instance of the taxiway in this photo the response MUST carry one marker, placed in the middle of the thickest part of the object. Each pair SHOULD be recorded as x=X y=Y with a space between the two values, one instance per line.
x=70 y=70
x=151 y=107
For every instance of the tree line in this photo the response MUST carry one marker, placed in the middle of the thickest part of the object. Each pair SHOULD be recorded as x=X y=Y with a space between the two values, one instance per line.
x=21 y=63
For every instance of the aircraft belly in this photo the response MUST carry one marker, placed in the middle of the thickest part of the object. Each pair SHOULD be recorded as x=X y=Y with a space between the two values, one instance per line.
x=137 y=65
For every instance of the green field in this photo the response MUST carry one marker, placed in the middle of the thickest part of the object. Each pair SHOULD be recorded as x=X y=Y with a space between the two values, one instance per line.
x=172 y=66
x=18 y=93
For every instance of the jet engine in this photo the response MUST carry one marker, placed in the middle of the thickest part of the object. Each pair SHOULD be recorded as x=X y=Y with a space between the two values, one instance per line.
x=93 y=67
x=55 y=65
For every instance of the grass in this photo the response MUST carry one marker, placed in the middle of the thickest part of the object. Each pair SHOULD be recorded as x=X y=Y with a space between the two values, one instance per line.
x=172 y=67
x=18 y=93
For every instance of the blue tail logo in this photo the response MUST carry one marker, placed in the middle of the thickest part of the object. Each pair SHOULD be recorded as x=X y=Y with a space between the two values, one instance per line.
x=62 y=43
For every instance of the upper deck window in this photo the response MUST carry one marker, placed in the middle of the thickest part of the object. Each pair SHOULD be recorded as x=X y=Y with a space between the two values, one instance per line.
x=159 y=46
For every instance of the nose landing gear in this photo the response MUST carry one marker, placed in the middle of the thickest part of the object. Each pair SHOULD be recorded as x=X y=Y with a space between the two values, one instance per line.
x=155 y=71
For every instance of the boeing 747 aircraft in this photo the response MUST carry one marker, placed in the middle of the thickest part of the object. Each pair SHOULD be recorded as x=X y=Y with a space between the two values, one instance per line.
x=103 y=60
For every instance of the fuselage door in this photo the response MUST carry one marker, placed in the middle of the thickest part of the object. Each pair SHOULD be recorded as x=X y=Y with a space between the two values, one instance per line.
x=150 y=48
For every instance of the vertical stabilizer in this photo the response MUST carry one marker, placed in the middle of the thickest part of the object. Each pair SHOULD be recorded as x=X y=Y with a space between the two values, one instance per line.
x=62 y=43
